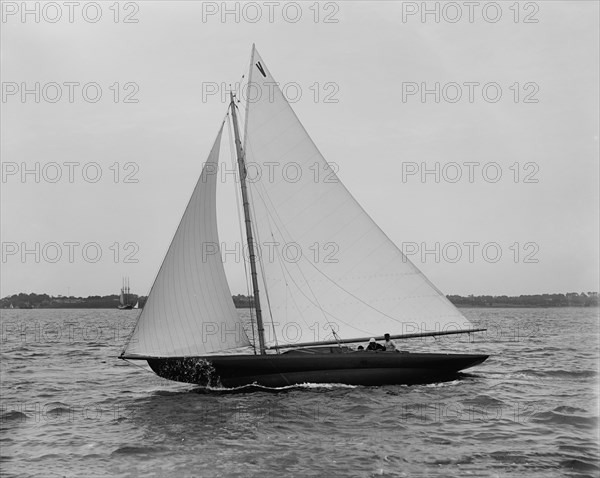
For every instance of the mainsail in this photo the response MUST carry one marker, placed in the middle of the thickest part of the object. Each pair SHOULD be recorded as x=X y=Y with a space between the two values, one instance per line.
x=325 y=263
x=190 y=311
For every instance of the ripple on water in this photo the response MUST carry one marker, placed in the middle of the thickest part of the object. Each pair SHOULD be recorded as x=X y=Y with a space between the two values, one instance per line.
x=580 y=465
x=136 y=450
x=13 y=416
x=574 y=420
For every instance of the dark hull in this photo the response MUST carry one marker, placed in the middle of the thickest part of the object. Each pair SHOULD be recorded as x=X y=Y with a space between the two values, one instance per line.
x=352 y=368
x=125 y=307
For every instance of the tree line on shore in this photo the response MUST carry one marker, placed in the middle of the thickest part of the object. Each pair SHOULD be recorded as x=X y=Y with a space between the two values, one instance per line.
x=570 y=299
x=45 y=301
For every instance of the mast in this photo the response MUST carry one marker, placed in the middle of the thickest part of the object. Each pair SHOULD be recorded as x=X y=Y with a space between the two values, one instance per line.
x=242 y=171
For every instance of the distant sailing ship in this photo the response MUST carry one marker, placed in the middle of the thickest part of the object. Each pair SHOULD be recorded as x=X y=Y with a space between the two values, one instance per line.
x=189 y=329
x=124 y=301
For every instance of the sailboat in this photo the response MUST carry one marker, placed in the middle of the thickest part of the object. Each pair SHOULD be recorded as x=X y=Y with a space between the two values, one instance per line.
x=137 y=305
x=124 y=302
x=307 y=310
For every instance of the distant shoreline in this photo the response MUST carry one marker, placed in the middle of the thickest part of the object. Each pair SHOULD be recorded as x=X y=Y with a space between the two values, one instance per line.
x=512 y=306
x=45 y=301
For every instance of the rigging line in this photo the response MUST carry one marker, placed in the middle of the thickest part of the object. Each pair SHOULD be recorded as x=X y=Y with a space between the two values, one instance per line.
x=296 y=284
x=237 y=203
x=322 y=310
x=246 y=104
x=282 y=262
x=351 y=294
x=262 y=273
x=256 y=233
x=238 y=87
x=262 y=266
x=337 y=337
x=137 y=365
x=288 y=291
x=299 y=269
x=269 y=213
x=248 y=145
x=284 y=269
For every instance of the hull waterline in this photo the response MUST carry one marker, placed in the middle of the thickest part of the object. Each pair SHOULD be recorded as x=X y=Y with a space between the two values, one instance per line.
x=351 y=368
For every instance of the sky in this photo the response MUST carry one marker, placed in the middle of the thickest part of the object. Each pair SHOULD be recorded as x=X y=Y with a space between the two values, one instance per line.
x=470 y=136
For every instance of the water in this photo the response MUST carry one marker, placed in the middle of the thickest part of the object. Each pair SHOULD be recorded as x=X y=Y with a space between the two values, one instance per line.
x=70 y=408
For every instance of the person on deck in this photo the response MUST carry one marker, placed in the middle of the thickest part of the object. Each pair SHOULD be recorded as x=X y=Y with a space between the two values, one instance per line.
x=374 y=345
x=390 y=346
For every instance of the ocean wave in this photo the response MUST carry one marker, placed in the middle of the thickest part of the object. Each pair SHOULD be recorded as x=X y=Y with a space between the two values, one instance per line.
x=565 y=409
x=59 y=412
x=136 y=450
x=560 y=373
x=13 y=415
x=484 y=400
x=579 y=465
x=47 y=456
x=571 y=419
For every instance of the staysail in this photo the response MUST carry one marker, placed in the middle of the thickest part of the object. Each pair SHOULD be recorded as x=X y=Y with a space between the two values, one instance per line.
x=190 y=311
x=325 y=263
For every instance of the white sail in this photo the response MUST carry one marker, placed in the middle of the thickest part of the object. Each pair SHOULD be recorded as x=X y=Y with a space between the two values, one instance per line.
x=189 y=311
x=350 y=275
x=121 y=298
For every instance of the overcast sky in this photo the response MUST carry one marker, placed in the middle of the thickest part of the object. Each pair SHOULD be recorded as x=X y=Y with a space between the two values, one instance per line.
x=361 y=68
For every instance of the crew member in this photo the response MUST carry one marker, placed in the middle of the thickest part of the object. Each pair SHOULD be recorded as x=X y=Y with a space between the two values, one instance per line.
x=374 y=345
x=390 y=346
